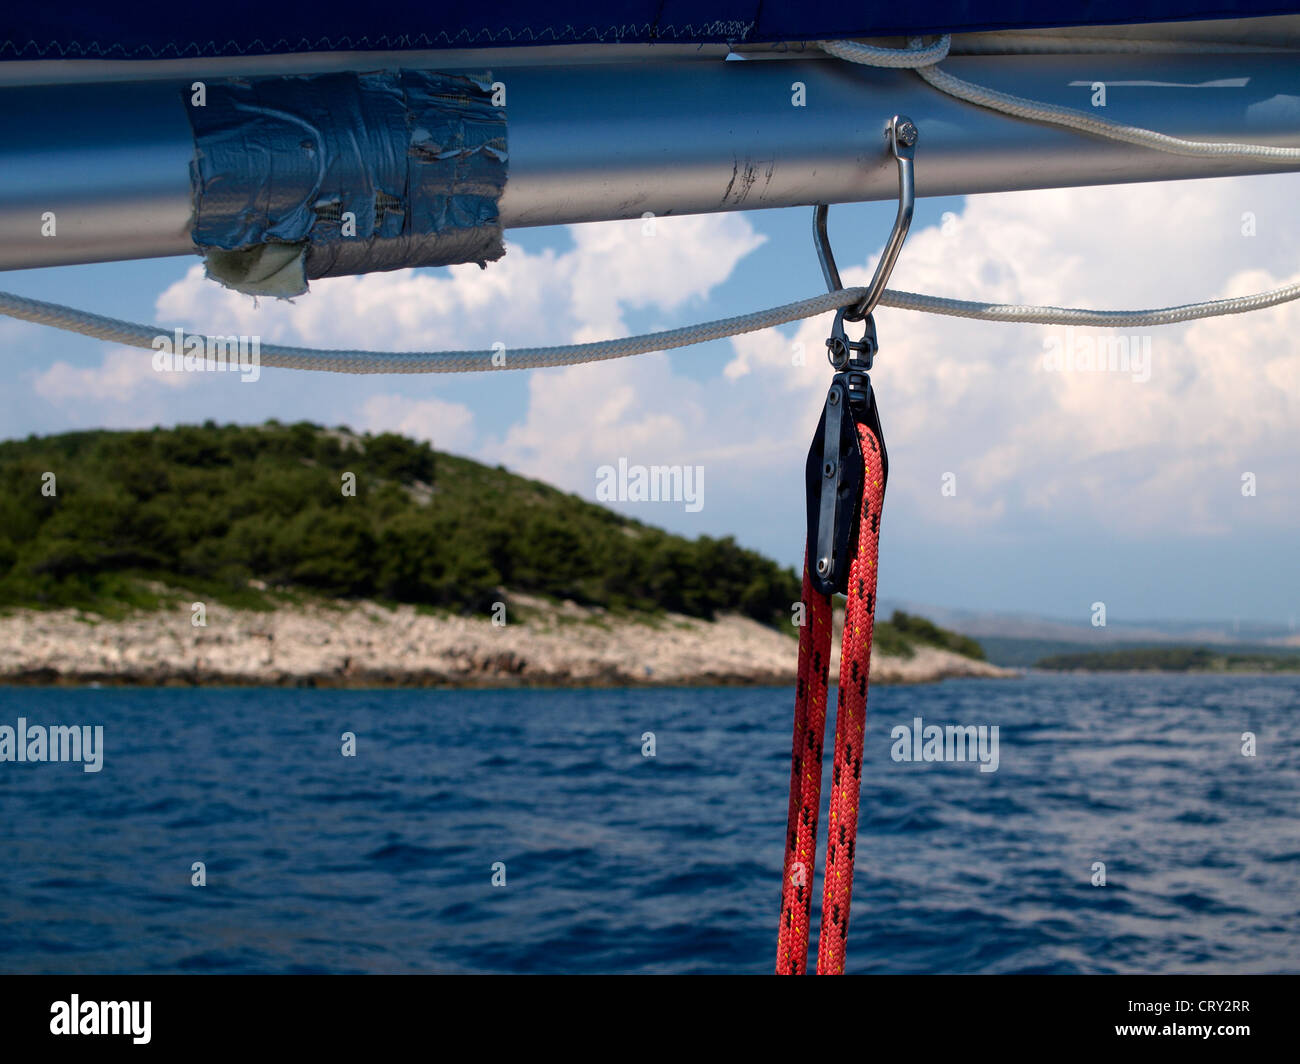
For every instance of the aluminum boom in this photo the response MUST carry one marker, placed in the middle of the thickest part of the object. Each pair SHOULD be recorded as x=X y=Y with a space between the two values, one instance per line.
x=600 y=141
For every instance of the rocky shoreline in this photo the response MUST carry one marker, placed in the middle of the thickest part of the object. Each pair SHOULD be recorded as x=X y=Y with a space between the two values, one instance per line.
x=369 y=645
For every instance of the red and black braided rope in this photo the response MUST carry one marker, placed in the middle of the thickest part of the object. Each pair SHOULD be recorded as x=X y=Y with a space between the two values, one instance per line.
x=811 y=698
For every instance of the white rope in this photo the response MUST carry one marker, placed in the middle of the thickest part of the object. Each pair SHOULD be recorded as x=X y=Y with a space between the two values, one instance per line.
x=276 y=355
x=1107 y=319
x=916 y=54
x=918 y=57
x=1035 y=111
x=344 y=361
x=923 y=58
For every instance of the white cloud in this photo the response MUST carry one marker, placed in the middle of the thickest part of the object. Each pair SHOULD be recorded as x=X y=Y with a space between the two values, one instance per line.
x=1090 y=449
x=525 y=299
x=448 y=426
x=123 y=373
x=1086 y=450
x=582 y=417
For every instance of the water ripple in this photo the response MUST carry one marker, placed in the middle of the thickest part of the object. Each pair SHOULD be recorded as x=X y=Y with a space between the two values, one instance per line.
x=611 y=861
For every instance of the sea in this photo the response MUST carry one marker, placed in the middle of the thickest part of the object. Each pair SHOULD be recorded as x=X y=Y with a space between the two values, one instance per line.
x=1134 y=823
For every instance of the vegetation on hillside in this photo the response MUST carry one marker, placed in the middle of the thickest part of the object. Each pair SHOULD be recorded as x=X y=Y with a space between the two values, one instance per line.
x=257 y=515
x=904 y=630
x=212 y=508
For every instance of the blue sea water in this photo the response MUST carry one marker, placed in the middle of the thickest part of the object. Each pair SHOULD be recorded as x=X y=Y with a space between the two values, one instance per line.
x=617 y=862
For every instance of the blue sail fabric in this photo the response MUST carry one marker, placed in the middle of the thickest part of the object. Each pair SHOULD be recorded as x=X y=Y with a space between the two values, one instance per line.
x=154 y=29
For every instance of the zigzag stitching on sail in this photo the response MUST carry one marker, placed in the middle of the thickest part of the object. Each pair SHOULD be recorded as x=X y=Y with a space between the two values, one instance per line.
x=729 y=31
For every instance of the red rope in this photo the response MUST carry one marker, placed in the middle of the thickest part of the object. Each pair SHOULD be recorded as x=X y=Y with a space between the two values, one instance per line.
x=806 y=751
x=810 y=703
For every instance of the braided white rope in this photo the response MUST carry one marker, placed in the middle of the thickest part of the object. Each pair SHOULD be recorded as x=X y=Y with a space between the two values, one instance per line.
x=343 y=361
x=922 y=59
x=916 y=56
x=1065 y=116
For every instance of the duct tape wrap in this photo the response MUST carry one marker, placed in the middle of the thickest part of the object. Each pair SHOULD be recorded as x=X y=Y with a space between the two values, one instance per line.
x=297 y=178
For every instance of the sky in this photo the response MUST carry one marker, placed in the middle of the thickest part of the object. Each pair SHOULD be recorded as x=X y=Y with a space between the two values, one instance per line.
x=1166 y=486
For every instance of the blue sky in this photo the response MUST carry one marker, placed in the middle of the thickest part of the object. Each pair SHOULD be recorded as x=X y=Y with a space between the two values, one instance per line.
x=1072 y=485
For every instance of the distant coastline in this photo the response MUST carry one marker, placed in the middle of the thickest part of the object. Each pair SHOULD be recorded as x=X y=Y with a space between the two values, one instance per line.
x=365 y=644
x=1194 y=659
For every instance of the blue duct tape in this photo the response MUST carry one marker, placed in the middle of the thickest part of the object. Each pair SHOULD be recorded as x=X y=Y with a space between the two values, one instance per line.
x=296 y=178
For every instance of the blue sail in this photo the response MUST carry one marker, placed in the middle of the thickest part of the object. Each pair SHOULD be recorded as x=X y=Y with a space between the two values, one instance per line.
x=153 y=29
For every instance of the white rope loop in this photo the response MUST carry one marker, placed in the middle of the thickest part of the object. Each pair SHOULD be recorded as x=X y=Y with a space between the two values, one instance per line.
x=915 y=55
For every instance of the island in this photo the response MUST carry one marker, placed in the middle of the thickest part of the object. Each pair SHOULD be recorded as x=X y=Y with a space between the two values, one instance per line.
x=298 y=555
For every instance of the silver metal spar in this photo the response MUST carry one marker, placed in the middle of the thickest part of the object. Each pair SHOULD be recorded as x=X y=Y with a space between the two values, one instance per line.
x=592 y=141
